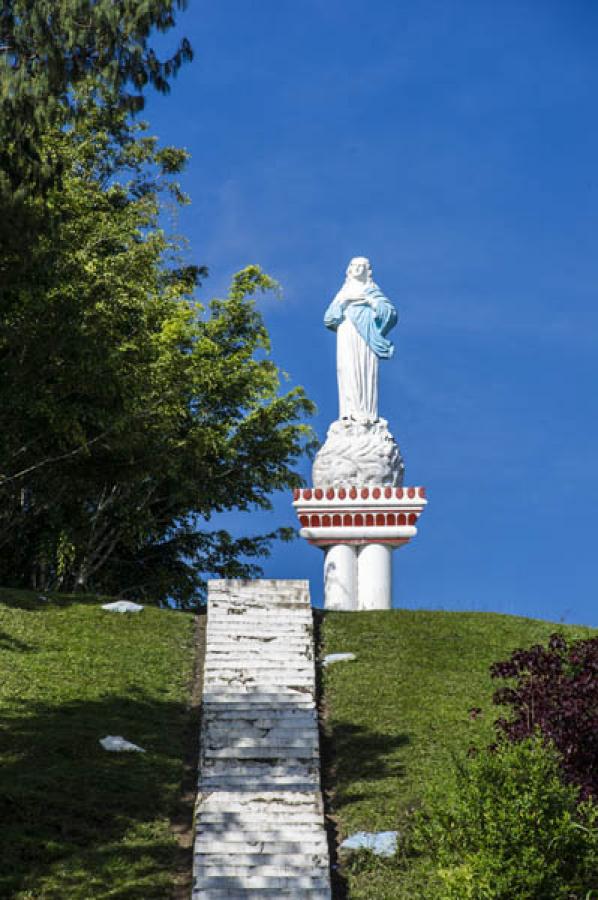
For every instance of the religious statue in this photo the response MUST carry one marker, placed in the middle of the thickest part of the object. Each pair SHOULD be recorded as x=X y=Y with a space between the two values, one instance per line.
x=362 y=317
x=358 y=511
x=359 y=449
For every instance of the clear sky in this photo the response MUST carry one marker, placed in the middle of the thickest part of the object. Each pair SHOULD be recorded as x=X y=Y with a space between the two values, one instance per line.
x=456 y=145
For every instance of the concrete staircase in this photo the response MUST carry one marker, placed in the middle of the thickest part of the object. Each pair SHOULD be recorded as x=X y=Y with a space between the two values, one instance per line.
x=259 y=818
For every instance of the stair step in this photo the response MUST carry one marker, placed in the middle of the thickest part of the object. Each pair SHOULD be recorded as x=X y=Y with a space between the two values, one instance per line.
x=259 y=882
x=280 y=799
x=264 y=716
x=212 y=844
x=229 y=819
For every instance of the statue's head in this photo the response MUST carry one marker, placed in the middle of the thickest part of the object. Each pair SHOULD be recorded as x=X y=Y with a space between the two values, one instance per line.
x=360 y=269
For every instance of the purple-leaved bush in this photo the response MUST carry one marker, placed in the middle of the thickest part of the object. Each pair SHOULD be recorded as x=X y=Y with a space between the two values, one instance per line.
x=556 y=690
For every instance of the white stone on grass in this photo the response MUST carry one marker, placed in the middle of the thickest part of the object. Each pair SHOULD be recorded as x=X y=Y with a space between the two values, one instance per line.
x=122 y=606
x=381 y=843
x=337 y=657
x=115 y=743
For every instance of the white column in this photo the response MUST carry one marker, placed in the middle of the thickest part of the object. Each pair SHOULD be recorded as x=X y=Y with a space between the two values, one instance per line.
x=374 y=576
x=340 y=577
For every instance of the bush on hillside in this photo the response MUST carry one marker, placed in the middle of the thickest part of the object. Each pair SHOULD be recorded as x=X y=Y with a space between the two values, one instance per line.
x=511 y=828
x=555 y=689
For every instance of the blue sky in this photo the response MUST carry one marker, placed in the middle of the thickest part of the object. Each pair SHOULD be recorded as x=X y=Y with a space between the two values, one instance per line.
x=456 y=145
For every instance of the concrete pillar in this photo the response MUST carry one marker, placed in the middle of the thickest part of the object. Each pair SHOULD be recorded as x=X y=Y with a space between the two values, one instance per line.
x=340 y=577
x=374 y=576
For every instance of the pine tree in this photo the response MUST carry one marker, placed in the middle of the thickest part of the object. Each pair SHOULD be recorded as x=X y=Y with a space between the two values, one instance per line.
x=49 y=48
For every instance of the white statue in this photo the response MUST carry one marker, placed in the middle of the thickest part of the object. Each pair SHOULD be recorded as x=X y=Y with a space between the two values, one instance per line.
x=362 y=317
x=359 y=449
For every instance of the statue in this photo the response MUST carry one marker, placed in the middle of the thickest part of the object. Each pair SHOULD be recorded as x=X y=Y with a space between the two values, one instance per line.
x=358 y=511
x=362 y=317
x=359 y=449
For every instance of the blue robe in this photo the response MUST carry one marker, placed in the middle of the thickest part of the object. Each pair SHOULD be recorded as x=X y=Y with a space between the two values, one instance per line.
x=372 y=324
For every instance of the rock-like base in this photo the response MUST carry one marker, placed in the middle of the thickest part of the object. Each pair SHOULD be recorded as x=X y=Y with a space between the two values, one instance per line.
x=358 y=453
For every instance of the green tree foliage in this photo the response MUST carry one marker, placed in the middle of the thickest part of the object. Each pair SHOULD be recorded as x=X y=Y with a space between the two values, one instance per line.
x=511 y=828
x=49 y=48
x=129 y=413
x=555 y=689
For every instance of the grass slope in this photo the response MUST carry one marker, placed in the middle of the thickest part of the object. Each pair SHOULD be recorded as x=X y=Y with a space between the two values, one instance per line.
x=77 y=822
x=399 y=713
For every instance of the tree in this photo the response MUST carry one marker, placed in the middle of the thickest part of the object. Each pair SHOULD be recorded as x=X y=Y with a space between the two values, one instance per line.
x=555 y=689
x=129 y=413
x=50 y=48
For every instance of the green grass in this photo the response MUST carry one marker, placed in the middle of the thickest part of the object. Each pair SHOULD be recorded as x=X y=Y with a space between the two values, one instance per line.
x=398 y=715
x=77 y=822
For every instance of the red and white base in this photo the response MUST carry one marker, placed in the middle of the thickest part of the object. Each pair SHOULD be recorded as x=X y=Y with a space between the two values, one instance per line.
x=358 y=528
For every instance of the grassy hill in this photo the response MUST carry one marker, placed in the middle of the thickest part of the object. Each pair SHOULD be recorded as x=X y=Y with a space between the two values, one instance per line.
x=77 y=822
x=399 y=713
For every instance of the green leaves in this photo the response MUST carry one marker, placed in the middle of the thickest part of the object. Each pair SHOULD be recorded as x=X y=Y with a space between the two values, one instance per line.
x=511 y=828
x=129 y=412
x=49 y=49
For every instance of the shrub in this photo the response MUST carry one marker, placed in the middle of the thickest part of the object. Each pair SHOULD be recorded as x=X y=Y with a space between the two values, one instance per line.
x=556 y=690
x=511 y=828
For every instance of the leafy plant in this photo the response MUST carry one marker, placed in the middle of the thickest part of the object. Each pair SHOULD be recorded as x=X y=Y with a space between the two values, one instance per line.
x=510 y=827
x=49 y=49
x=556 y=690
x=129 y=412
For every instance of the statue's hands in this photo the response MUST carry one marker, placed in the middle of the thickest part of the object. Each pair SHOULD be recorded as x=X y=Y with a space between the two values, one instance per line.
x=347 y=295
x=364 y=301
x=344 y=298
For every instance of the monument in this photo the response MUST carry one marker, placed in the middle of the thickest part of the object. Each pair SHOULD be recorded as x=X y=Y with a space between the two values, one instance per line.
x=358 y=510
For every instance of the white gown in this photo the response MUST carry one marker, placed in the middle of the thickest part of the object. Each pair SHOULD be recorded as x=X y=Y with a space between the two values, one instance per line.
x=357 y=372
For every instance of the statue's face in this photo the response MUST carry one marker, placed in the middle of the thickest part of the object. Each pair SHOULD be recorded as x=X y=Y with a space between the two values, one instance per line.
x=358 y=269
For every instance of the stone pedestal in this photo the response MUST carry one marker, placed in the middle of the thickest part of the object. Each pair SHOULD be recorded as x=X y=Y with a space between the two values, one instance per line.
x=374 y=579
x=358 y=528
x=340 y=577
